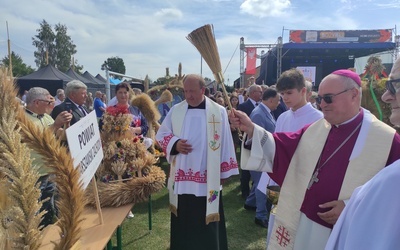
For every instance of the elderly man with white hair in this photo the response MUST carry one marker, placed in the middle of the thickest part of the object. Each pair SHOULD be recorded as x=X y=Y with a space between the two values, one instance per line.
x=39 y=103
x=60 y=97
x=76 y=93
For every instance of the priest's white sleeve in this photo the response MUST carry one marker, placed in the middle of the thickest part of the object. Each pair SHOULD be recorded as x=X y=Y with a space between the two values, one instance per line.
x=262 y=153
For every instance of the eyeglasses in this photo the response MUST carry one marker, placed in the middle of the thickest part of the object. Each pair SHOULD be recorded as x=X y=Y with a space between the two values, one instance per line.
x=48 y=102
x=390 y=85
x=328 y=98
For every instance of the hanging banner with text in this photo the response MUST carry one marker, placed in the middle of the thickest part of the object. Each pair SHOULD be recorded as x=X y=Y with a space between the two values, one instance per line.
x=335 y=36
x=251 y=61
x=85 y=146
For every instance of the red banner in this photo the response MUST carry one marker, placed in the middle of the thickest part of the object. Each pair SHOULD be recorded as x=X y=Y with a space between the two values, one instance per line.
x=251 y=61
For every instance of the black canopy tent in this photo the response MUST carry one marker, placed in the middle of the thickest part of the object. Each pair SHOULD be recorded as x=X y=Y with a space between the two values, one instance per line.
x=326 y=57
x=91 y=78
x=92 y=86
x=100 y=78
x=47 y=77
x=71 y=73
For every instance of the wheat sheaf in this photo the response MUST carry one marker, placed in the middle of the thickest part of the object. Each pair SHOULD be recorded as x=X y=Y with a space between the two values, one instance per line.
x=17 y=136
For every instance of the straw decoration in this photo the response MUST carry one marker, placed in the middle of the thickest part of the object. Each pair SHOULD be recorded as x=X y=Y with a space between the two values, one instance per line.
x=17 y=136
x=20 y=220
x=71 y=194
x=204 y=40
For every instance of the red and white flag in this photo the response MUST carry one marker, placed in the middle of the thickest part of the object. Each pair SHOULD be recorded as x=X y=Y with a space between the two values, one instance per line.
x=251 y=61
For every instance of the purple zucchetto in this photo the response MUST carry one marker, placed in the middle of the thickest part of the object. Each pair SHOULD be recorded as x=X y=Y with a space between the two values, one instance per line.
x=349 y=74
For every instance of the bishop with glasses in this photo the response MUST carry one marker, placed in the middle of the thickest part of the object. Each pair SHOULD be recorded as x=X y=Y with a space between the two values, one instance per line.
x=319 y=166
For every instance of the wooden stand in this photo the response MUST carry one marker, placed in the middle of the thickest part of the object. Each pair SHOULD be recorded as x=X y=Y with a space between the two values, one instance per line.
x=94 y=234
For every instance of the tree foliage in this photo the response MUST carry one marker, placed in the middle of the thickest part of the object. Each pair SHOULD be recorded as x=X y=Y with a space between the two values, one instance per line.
x=65 y=48
x=57 y=44
x=115 y=64
x=44 y=42
x=19 y=68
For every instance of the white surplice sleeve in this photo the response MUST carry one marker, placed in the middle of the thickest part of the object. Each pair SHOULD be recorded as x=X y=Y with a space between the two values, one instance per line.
x=261 y=156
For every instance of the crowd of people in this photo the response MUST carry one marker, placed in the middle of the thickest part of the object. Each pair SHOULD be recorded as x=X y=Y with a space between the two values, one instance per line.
x=334 y=161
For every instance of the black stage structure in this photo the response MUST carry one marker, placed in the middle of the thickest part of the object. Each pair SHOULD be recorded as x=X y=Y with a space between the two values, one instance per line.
x=326 y=57
x=326 y=50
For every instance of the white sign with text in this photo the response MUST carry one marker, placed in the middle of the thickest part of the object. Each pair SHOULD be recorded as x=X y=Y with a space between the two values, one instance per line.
x=84 y=144
x=309 y=73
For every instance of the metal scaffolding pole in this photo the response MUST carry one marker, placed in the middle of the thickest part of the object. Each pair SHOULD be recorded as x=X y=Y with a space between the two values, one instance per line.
x=279 y=58
x=243 y=47
x=242 y=62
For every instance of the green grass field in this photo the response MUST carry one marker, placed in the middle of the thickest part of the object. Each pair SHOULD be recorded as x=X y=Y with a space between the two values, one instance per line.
x=242 y=232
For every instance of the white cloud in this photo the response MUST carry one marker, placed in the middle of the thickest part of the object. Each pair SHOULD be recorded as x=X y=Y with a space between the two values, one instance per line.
x=265 y=8
x=151 y=35
x=390 y=5
x=169 y=14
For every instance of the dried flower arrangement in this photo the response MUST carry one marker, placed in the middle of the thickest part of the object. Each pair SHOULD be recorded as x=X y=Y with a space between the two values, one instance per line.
x=127 y=173
x=116 y=120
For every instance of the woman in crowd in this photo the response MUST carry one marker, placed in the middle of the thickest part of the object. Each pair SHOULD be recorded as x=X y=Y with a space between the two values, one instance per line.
x=139 y=124
x=221 y=101
x=234 y=100
x=89 y=102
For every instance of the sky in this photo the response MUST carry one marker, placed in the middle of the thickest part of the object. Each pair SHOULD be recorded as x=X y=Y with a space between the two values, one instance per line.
x=150 y=35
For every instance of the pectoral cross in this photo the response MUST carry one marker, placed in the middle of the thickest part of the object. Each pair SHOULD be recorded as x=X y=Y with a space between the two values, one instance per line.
x=314 y=179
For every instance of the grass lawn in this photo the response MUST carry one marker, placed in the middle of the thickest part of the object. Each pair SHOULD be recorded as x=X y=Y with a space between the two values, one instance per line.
x=242 y=232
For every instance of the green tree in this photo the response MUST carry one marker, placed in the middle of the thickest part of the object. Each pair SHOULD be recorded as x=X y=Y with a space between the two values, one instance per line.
x=19 y=68
x=64 y=48
x=77 y=67
x=115 y=64
x=57 y=44
x=44 y=42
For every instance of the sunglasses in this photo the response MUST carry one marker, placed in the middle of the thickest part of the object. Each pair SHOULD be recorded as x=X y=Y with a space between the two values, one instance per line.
x=48 y=102
x=328 y=98
x=390 y=85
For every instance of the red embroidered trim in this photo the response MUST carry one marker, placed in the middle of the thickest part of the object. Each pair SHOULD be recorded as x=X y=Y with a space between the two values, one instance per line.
x=190 y=176
x=164 y=142
x=202 y=177
x=225 y=166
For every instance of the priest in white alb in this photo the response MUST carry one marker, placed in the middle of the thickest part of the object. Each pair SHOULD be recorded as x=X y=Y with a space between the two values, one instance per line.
x=319 y=166
x=195 y=136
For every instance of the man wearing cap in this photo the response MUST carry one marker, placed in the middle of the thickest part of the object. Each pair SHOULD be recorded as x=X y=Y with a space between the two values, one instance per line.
x=319 y=166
